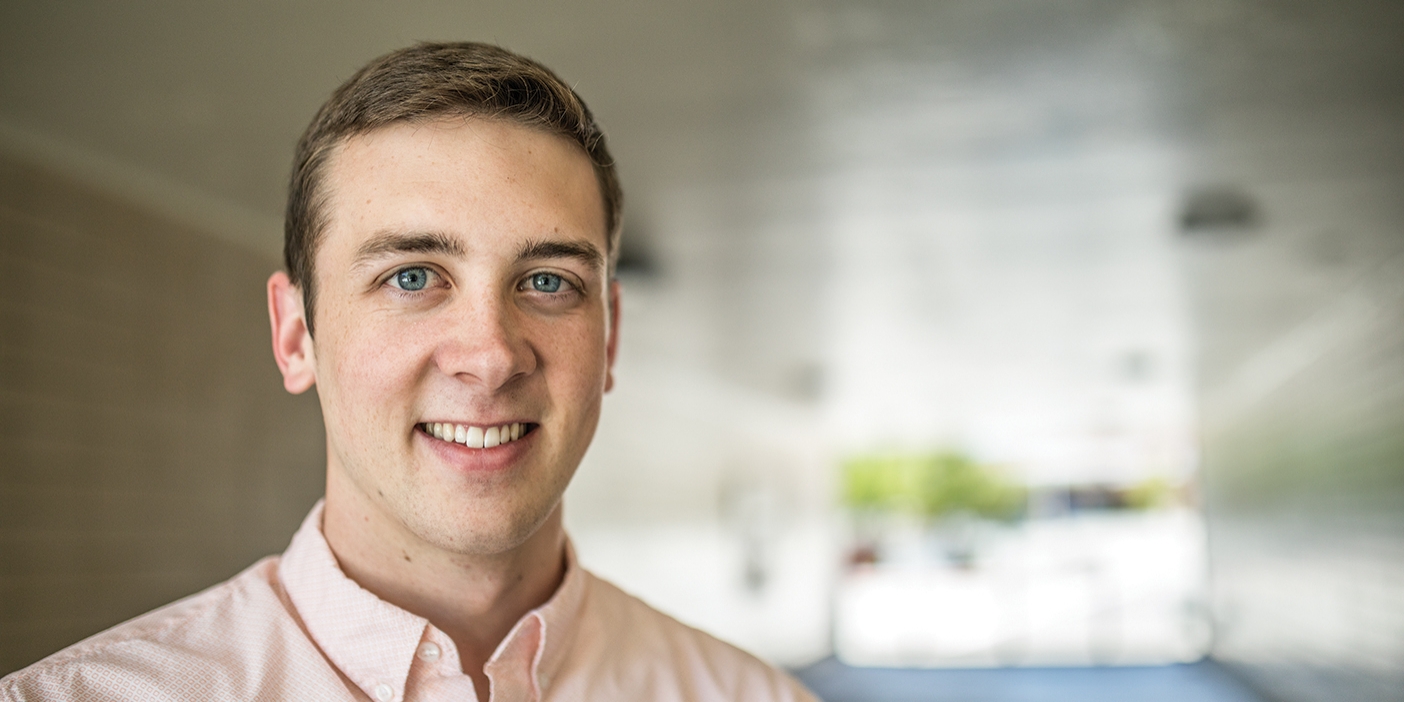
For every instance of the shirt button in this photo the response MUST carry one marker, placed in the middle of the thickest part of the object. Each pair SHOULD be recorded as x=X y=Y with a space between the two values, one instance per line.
x=428 y=652
x=384 y=692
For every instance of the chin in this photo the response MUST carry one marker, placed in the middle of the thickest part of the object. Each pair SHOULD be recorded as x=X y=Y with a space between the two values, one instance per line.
x=484 y=531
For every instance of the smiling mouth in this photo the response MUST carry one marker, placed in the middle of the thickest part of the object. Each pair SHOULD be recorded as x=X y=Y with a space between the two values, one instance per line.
x=476 y=437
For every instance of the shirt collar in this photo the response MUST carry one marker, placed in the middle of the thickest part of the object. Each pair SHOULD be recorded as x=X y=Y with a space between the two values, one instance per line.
x=559 y=618
x=373 y=642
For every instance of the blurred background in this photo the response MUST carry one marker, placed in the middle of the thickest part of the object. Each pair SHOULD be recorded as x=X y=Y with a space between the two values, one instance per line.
x=996 y=350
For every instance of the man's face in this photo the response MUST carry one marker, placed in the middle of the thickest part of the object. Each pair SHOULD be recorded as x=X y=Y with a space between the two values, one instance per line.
x=462 y=281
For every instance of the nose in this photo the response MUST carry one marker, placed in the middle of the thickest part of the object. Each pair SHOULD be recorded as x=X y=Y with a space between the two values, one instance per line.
x=482 y=343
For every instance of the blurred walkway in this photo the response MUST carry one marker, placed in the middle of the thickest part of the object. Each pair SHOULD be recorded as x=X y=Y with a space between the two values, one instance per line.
x=1199 y=682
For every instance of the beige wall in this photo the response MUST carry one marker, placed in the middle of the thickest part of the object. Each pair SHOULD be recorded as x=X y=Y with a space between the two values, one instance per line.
x=147 y=449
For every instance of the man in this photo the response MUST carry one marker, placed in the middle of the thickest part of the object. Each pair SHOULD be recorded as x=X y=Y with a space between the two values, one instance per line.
x=452 y=225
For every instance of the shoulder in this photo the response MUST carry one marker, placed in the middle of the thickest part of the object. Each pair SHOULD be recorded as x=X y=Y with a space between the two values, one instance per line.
x=647 y=653
x=216 y=643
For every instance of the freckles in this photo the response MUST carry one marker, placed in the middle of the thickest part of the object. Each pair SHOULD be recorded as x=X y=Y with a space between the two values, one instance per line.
x=390 y=360
x=376 y=358
x=581 y=372
x=576 y=345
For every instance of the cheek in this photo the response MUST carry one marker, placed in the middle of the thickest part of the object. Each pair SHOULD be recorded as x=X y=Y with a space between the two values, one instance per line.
x=577 y=358
x=375 y=364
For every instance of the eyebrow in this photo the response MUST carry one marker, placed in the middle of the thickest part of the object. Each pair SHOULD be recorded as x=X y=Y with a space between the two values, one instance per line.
x=582 y=251
x=440 y=243
x=414 y=242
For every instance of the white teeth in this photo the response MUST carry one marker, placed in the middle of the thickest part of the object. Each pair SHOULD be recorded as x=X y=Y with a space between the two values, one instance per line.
x=475 y=437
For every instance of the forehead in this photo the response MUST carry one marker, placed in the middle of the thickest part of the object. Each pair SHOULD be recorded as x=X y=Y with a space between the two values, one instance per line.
x=480 y=180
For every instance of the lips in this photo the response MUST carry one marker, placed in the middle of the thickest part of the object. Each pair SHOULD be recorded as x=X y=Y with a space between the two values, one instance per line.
x=475 y=436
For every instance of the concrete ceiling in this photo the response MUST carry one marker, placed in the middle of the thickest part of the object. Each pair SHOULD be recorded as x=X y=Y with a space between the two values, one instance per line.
x=213 y=95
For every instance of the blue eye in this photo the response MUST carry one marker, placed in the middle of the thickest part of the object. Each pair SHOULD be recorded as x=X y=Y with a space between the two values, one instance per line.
x=412 y=279
x=546 y=282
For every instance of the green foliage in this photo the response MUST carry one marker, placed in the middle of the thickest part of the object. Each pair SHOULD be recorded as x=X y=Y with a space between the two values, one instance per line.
x=877 y=482
x=1150 y=494
x=929 y=484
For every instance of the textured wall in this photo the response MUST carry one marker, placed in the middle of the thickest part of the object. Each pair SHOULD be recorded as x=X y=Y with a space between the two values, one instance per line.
x=1302 y=325
x=147 y=449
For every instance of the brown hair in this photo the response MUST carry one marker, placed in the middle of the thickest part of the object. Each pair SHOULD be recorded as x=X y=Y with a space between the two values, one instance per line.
x=423 y=82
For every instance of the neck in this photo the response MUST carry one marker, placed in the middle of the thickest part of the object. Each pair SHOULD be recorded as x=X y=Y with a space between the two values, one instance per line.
x=475 y=599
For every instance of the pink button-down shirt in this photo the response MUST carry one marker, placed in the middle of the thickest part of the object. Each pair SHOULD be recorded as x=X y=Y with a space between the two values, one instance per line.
x=297 y=628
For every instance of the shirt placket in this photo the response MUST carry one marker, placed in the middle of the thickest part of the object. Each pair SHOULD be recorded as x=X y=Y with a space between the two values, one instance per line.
x=437 y=674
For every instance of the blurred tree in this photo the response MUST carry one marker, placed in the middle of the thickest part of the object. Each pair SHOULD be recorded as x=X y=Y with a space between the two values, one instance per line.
x=1150 y=493
x=933 y=485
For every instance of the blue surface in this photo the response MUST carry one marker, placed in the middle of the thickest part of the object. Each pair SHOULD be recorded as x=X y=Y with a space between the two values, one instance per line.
x=1196 y=682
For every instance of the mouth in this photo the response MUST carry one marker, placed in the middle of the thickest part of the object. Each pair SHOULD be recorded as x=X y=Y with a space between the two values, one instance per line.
x=477 y=437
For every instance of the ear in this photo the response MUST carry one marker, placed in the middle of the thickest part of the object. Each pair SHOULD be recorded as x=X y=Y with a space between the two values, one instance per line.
x=292 y=344
x=612 y=343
